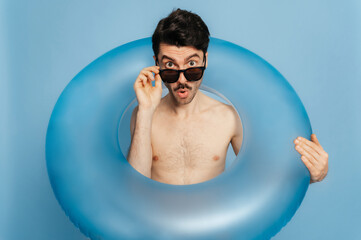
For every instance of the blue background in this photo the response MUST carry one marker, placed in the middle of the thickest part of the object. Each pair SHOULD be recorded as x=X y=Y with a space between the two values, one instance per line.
x=43 y=45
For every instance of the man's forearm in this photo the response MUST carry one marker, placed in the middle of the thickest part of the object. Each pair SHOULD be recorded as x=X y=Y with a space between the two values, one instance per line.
x=140 y=153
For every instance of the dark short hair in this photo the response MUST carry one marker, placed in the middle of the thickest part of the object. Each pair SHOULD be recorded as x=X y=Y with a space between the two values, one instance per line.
x=181 y=28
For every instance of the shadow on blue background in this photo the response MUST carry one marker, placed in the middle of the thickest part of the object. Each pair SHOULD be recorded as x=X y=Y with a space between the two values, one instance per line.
x=43 y=45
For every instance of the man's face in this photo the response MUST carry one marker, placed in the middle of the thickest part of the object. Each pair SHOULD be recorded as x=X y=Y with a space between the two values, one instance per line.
x=173 y=57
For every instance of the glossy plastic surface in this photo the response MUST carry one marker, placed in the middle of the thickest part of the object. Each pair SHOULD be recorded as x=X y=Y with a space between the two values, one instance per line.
x=108 y=199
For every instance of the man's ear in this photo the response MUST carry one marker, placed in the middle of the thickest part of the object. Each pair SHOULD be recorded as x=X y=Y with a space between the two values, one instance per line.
x=155 y=60
x=207 y=59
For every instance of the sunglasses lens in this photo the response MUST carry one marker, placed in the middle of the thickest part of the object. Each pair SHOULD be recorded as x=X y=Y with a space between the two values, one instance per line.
x=193 y=74
x=169 y=76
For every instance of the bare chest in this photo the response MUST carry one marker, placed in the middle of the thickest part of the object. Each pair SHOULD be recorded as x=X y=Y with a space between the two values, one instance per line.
x=189 y=151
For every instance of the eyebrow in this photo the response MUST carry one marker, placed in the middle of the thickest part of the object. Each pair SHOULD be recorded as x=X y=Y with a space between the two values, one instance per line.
x=193 y=55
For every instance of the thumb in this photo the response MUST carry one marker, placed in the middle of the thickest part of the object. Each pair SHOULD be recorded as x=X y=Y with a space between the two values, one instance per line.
x=314 y=139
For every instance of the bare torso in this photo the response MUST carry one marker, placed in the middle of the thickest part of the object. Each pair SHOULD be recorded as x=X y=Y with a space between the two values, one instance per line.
x=191 y=150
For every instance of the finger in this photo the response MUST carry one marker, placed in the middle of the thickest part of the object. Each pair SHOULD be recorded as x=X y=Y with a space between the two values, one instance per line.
x=158 y=81
x=143 y=80
x=313 y=145
x=303 y=152
x=154 y=69
x=317 y=146
x=149 y=74
x=310 y=150
x=307 y=162
x=138 y=82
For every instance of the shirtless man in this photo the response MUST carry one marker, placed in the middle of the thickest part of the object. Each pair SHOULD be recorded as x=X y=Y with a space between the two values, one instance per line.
x=183 y=137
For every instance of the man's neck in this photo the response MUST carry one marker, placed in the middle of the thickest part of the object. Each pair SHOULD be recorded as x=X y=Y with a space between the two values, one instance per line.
x=186 y=110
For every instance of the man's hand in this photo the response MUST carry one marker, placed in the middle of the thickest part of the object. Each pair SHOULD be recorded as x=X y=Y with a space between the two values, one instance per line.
x=313 y=156
x=148 y=96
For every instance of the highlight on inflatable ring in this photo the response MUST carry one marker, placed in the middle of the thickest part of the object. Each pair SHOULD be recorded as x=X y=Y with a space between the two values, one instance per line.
x=106 y=198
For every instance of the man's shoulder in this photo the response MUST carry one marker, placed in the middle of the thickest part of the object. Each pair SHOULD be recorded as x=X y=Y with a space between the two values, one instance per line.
x=221 y=109
x=218 y=105
x=229 y=111
x=227 y=116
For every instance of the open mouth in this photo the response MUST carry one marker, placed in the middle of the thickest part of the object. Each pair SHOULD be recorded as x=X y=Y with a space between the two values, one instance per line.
x=182 y=93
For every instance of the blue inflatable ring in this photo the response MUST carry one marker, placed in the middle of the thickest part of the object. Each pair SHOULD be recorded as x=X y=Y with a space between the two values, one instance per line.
x=107 y=198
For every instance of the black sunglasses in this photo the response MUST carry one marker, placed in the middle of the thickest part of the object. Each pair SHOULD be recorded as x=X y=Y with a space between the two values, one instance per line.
x=191 y=74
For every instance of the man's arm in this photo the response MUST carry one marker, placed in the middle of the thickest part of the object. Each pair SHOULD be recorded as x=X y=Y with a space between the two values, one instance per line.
x=140 y=151
x=237 y=137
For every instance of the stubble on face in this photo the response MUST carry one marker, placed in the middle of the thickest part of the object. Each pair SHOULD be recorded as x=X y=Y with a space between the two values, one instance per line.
x=192 y=92
x=191 y=87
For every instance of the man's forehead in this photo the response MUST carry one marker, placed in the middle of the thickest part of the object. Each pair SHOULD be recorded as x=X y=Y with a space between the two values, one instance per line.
x=178 y=52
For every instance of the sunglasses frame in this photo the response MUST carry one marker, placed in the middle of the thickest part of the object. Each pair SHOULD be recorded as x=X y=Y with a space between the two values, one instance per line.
x=184 y=70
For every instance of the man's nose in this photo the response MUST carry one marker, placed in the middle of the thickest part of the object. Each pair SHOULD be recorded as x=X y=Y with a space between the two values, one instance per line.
x=182 y=78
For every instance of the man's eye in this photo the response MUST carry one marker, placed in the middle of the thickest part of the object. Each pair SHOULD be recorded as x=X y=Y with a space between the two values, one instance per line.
x=169 y=64
x=192 y=63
